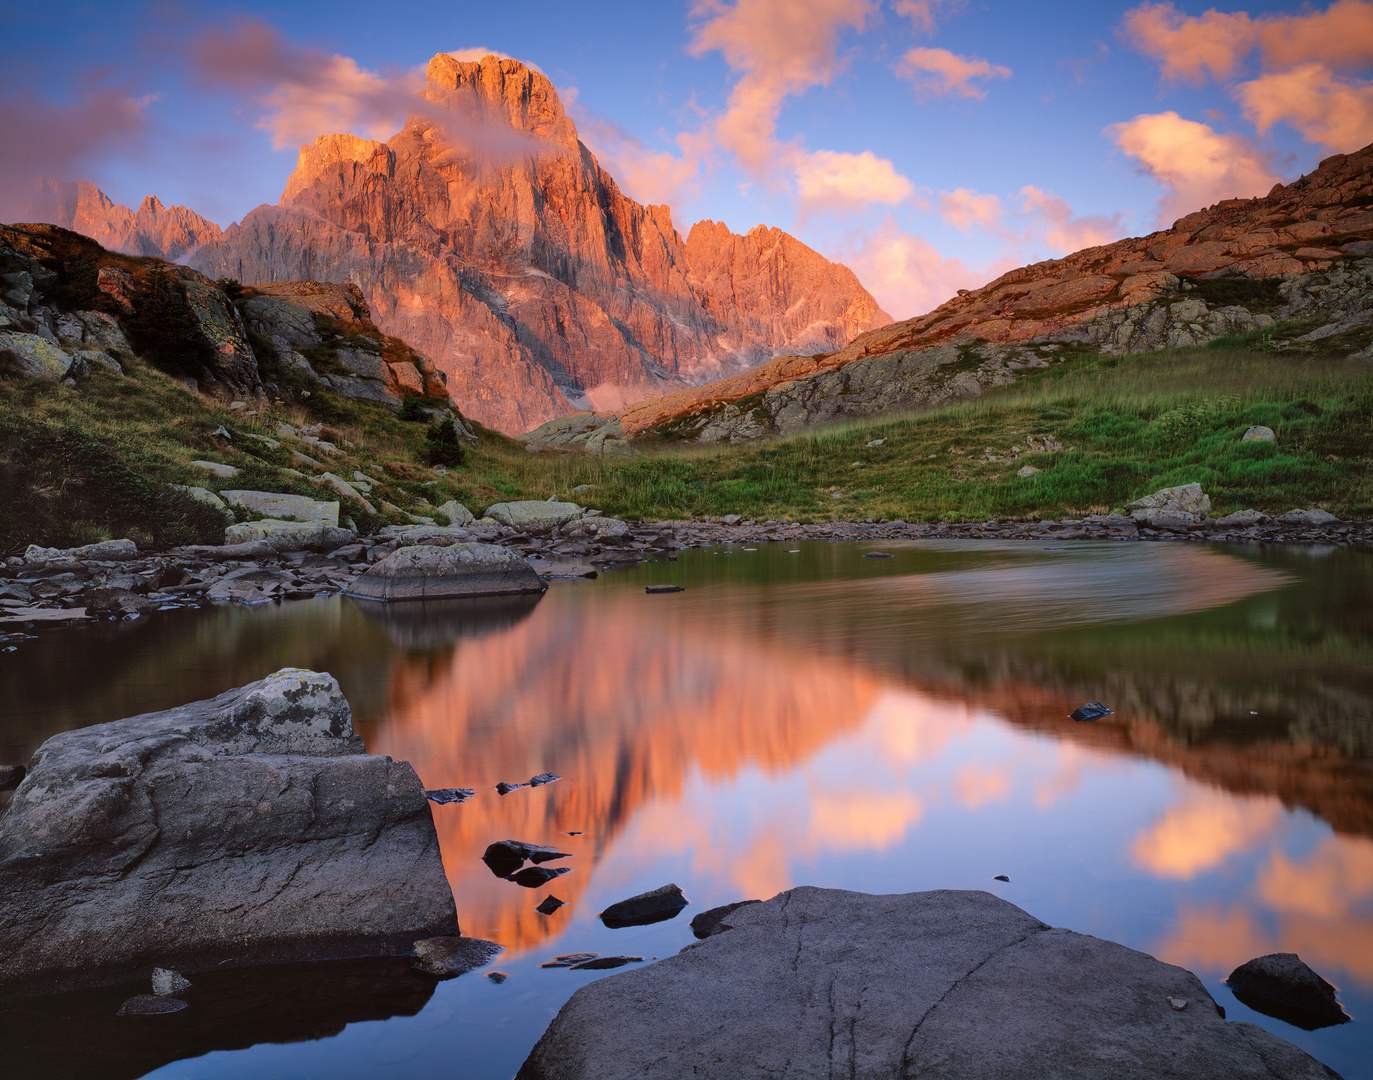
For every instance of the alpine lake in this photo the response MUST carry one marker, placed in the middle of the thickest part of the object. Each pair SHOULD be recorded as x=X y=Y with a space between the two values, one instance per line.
x=801 y=714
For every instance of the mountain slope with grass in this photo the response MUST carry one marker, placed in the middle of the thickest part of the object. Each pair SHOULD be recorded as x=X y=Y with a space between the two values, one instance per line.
x=1278 y=272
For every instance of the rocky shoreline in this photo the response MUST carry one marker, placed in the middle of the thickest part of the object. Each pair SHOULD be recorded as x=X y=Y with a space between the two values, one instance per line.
x=115 y=580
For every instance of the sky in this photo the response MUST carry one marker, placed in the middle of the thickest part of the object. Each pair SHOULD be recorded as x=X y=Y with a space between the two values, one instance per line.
x=930 y=145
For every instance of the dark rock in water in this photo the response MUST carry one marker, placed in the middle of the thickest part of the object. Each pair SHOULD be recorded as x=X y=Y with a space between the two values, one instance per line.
x=602 y=962
x=498 y=976
x=167 y=982
x=549 y=904
x=711 y=922
x=818 y=983
x=452 y=955
x=444 y=796
x=249 y=827
x=426 y=572
x=1001 y=877
x=531 y=877
x=504 y=857
x=664 y=588
x=533 y=781
x=77 y=1036
x=876 y=555
x=11 y=776
x=1093 y=710
x=568 y=959
x=1280 y=985
x=150 y=1005
x=656 y=906
x=117 y=603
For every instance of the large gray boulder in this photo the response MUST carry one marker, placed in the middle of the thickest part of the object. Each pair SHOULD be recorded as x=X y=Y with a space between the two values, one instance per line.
x=1185 y=500
x=248 y=828
x=823 y=983
x=431 y=572
x=289 y=535
x=533 y=516
x=275 y=504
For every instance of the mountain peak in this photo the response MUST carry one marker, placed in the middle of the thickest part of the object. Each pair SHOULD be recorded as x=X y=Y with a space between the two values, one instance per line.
x=497 y=90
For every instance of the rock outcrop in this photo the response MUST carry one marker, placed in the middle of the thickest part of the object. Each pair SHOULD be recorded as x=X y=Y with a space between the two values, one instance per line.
x=823 y=983
x=246 y=828
x=1296 y=257
x=489 y=237
x=168 y=232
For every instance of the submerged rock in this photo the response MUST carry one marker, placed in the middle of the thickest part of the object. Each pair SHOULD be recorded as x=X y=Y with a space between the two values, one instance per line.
x=150 y=1005
x=712 y=921
x=249 y=827
x=654 y=906
x=1280 y=985
x=600 y=963
x=453 y=954
x=426 y=572
x=533 y=877
x=818 y=983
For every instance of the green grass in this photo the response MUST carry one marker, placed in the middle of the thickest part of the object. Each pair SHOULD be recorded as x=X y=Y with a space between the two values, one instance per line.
x=1128 y=426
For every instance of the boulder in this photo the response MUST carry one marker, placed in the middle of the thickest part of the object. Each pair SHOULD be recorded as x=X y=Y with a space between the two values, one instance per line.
x=35 y=357
x=289 y=535
x=1185 y=499
x=823 y=983
x=1242 y=519
x=1280 y=985
x=428 y=572
x=455 y=513
x=1308 y=517
x=1259 y=433
x=274 y=504
x=217 y=468
x=205 y=495
x=115 y=603
x=534 y=517
x=425 y=534
x=656 y=905
x=104 y=551
x=251 y=827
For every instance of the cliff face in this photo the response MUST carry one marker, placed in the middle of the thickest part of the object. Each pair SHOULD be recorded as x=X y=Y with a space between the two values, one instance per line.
x=168 y=232
x=486 y=235
x=1299 y=253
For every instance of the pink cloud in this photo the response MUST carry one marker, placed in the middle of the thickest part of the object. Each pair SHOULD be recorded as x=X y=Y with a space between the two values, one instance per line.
x=963 y=208
x=924 y=14
x=782 y=48
x=1331 y=112
x=906 y=275
x=1196 y=165
x=826 y=180
x=1062 y=230
x=1309 y=64
x=943 y=73
x=41 y=138
x=648 y=175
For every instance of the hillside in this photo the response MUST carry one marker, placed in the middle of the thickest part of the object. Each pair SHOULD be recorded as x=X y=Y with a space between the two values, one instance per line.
x=523 y=271
x=1291 y=267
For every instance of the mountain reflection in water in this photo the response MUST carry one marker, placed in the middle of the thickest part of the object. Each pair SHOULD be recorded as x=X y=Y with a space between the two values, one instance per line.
x=881 y=725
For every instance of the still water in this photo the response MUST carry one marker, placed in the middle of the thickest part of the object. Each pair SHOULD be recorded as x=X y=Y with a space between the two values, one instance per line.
x=795 y=717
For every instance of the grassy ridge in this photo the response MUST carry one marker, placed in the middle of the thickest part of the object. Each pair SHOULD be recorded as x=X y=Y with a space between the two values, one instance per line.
x=81 y=465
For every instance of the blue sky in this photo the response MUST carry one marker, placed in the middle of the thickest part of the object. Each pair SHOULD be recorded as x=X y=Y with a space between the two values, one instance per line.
x=929 y=144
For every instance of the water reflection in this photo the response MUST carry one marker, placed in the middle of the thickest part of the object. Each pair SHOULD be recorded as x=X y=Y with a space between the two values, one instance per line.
x=883 y=725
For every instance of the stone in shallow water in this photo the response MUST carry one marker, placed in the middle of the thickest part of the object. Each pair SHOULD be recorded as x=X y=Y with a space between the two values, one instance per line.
x=568 y=959
x=427 y=572
x=281 y=834
x=712 y=921
x=600 y=963
x=532 y=877
x=654 y=906
x=1280 y=985
x=452 y=954
x=817 y=983
x=549 y=904
x=446 y=795
x=1092 y=710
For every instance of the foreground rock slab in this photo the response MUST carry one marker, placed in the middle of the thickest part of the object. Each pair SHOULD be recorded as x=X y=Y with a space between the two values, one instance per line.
x=248 y=828
x=823 y=983
x=426 y=572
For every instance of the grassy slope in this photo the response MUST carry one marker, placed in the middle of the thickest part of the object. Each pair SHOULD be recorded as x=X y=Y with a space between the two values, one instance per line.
x=1129 y=426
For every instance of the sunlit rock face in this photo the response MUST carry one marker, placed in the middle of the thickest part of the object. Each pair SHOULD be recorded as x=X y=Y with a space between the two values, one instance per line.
x=486 y=235
x=168 y=232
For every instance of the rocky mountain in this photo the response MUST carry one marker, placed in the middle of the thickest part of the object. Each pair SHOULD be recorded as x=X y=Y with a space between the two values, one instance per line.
x=1294 y=263
x=488 y=236
x=169 y=232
